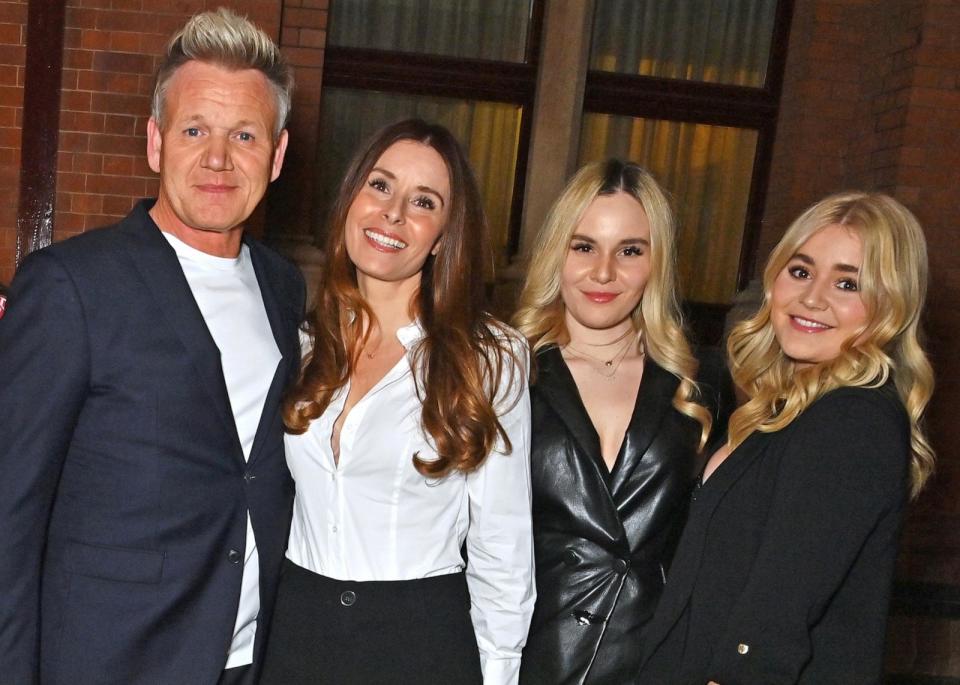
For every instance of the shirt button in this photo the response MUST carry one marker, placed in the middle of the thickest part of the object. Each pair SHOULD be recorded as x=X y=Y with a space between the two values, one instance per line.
x=233 y=556
x=742 y=648
x=334 y=529
x=348 y=598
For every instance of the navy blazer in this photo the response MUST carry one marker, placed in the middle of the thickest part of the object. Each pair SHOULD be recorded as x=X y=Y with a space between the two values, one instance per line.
x=125 y=492
x=783 y=572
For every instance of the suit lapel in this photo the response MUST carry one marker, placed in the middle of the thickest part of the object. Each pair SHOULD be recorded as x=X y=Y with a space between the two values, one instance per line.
x=158 y=264
x=685 y=567
x=280 y=314
x=654 y=399
x=557 y=386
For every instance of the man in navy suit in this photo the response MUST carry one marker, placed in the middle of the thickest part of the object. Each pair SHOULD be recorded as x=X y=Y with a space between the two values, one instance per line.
x=144 y=497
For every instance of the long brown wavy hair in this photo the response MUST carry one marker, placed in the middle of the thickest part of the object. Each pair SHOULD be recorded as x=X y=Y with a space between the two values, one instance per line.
x=893 y=286
x=459 y=362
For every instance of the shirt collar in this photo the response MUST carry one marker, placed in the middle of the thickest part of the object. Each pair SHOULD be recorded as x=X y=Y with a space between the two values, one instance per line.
x=410 y=334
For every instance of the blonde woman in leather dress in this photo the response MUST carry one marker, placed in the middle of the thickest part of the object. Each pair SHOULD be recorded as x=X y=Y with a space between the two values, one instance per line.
x=618 y=423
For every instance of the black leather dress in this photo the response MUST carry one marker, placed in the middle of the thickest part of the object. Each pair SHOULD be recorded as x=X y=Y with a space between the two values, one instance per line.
x=604 y=538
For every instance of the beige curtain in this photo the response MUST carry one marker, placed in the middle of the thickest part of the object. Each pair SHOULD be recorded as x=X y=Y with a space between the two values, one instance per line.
x=718 y=41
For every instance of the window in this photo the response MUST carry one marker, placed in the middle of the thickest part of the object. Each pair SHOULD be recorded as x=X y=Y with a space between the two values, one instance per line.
x=689 y=88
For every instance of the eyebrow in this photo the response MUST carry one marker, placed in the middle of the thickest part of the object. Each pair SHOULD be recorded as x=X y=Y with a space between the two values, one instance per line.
x=200 y=119
x=625 y=241
x=839 y=266
x=423 y=189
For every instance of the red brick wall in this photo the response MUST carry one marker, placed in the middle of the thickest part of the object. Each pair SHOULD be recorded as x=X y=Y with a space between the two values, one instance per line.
x=111 y=51
x=13 y=40
x=872 y=100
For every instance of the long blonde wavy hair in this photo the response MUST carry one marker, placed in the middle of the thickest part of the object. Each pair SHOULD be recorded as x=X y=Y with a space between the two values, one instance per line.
x=893 y=284
x=540 y=315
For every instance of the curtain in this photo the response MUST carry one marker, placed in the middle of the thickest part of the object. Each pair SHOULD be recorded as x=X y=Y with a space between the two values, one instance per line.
x=483 y=29
x=717 y=41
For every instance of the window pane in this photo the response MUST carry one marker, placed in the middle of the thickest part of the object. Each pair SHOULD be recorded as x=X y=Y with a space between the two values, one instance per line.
x=482 y=29
x=707 y=170
x=488 y=131
x=716 y=41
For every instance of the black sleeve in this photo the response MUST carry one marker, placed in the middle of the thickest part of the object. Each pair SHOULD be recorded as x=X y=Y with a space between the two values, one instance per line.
x=44 y=375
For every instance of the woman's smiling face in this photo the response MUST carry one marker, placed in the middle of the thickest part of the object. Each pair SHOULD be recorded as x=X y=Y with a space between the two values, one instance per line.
x=397 y=218
x=815 y=305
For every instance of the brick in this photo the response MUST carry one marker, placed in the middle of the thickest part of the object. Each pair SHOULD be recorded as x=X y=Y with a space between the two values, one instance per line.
x=92 y=39
x=72 y=141
x=12 y=34
x=117 y=165
x=140 y=22
x=71 y=182
x=117 y=145
x=305 y=18
x=123 y=41
x=115 y=185
x=13 y=12
x=304 y=57
x=122 y=62
x=78 y=59
x=76 y=101
x=88 y=163
x=86 y=204
x=12 y=54
x=117 y=204
x=119 y=124
x=114 y=103
x=107 y=82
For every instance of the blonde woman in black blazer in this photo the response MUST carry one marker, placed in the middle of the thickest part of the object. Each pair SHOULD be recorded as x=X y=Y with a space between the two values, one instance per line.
x=784 y=569
x=617 y=430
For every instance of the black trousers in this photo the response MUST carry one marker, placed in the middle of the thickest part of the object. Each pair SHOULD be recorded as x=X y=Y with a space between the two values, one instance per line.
x=414 y=632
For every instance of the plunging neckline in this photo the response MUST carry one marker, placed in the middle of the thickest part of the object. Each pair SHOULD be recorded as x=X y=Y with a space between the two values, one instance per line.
x=344 y=413
x=608 y=470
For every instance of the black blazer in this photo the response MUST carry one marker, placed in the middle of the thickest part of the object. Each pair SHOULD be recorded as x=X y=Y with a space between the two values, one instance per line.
x=125 y=492
x=784 y=569
x=603 y=539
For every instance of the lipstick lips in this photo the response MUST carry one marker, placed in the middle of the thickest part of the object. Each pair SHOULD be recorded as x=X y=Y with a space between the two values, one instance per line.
x=806 y=325
x=383 y=242
x=600 y=297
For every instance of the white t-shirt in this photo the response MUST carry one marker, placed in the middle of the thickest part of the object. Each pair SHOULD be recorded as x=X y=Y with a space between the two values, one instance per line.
x=228 y=295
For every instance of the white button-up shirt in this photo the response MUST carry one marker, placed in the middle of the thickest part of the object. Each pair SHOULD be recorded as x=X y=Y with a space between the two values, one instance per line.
x=372 y=516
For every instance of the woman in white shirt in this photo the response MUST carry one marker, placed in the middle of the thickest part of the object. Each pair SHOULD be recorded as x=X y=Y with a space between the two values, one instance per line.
x=408 y=440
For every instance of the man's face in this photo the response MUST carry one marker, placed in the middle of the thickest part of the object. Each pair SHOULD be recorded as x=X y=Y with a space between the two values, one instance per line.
x=215 y=152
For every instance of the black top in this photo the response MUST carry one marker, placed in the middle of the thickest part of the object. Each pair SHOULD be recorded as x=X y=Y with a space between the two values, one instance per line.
x=604 y=538
x=784 y=569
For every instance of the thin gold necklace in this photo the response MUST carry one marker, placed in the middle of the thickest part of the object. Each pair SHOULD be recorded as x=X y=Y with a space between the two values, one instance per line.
x=607 y=367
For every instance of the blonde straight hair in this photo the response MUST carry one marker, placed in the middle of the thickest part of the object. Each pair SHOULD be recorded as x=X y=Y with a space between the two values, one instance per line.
x=540 y=315
x=893 y=284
